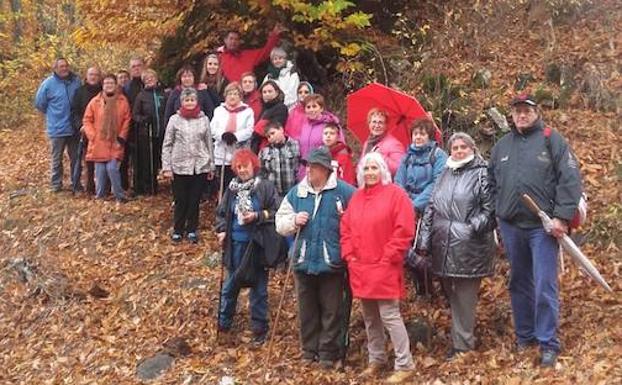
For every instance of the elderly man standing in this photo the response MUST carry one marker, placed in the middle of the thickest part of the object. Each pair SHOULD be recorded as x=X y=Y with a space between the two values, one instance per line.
x=236 y=61
x=53 y=99
x=81 y=99
x=534 y=159
x=313 y=209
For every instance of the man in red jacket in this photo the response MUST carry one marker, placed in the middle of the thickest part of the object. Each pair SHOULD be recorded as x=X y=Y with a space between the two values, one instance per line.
x=236 y=61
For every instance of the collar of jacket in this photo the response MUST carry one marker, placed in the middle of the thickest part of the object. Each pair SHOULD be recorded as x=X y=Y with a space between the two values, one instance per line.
x=69 y=77
x=412 y=149
x=373 y=190
x=537 y=126
x=304 y=188
x=338 y=148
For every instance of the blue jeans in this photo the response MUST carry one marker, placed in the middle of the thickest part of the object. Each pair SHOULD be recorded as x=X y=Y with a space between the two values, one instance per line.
x=57 y=148
x=105 y=171
x=258 y=294
x=534 y=289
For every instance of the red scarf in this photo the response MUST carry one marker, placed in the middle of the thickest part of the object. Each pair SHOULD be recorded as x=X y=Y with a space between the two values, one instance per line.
x=189 y=114
x=232 y=122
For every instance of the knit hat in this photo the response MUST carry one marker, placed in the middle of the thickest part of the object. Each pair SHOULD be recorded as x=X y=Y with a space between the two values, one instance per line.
x=188 y=92
x=320 y=156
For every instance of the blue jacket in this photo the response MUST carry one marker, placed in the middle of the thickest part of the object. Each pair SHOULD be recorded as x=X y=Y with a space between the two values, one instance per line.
x=54 y=98
x=318 y=250
x=417 y=175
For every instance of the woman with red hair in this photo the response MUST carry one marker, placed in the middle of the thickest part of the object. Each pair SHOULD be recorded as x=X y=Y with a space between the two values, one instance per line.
x=391 y=149
x=245 y=229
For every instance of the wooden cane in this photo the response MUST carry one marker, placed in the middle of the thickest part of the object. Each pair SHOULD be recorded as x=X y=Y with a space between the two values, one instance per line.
x=222 y=181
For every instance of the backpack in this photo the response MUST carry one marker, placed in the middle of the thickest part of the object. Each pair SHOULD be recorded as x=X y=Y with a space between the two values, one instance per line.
x=580 y=215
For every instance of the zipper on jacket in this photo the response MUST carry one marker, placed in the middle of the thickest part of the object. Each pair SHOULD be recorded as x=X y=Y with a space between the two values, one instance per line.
x=453 y=190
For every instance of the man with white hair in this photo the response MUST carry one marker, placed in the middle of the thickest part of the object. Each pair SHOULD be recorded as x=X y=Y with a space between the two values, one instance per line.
x=53 y=98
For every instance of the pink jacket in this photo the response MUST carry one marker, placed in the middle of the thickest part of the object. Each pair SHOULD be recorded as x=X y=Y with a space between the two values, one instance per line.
x=391 y=149
x=310 y=136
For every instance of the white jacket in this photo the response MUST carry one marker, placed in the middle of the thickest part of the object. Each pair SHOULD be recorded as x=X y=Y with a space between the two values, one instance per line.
x=244 y=129
x=288 y=81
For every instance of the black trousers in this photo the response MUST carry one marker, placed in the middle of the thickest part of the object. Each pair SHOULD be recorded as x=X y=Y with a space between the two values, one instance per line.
x=146 y=164
x=187 y=193
x=321 y=315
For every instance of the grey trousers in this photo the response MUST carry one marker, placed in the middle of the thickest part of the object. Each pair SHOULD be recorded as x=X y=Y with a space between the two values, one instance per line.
x=57 y=148
x=463 y=294
x=380 y=314
x=320 y=313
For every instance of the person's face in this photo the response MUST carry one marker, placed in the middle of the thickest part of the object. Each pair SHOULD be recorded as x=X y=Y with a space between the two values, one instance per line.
x=279 y=61
x=524 y=116
x=303 y=91
x=122 y=79
x=313 y=110
x=212 y=65
x=189 y=102
x=377 y=125
x=109 y=85
x=136 y=68
x=371 y=173
x=93 y=76
x=329 y=136
x=248 y=84
x=268 y=93
x=187 y=79
x=420 y=137
x=276 y=136
x=460 y=150
x=61 y=68
x=150 y=81
x=232 y=41
x=233 y=98
x=244 y=171
x=317 y=174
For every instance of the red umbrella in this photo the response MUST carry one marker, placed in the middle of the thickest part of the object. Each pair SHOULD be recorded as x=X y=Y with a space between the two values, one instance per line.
x=403 y=109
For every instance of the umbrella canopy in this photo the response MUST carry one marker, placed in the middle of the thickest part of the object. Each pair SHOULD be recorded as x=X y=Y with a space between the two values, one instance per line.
x=403 y=109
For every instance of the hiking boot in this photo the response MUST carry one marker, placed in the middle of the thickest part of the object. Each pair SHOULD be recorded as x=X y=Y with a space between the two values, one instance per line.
x=176 y=237
x=548 y=358
x=309 y=357
x=330 y=365
x=373 y=369
x=259 y=339
x=193 y=237
x=400 y=376
x=453 y=353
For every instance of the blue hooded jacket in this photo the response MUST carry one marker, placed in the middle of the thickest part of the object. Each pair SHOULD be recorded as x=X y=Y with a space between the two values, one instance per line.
x=53 y=98
x=417 y=175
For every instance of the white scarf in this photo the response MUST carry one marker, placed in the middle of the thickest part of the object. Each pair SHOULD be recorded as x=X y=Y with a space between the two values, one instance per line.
x=456 y=164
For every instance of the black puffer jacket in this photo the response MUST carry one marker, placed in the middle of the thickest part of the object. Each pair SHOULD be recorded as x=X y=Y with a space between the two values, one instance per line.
x=144 y=109
x=458 y=223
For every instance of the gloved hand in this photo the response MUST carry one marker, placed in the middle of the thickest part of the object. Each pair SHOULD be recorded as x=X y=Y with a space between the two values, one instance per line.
x=229 y=138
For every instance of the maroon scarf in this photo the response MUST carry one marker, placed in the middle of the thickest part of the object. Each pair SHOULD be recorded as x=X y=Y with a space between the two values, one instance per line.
x=189 y=114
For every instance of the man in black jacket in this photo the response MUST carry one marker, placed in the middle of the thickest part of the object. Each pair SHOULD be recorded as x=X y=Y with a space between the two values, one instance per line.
x=80 y=100
x=131 y=90
x=535 y=160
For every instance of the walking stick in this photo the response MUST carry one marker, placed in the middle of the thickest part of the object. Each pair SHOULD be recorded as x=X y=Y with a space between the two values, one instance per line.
x=222 y=175
x=222 y=277
x=151 y=160
x=278 y=310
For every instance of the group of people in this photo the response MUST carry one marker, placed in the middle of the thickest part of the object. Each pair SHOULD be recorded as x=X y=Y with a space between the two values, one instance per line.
x=289 y=189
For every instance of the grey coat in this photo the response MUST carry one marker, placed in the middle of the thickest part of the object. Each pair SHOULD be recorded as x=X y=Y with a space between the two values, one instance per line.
x=188 y=148
x=458 y=223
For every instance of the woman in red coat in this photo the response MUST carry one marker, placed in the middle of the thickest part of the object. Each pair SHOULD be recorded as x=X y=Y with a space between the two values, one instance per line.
x=376 y=230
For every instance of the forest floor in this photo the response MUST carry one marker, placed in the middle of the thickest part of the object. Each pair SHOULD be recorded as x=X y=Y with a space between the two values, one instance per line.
x=89 y=289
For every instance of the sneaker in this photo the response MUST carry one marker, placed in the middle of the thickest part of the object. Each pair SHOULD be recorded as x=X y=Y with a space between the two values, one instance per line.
x=548 y=358
x=400 y=376
x=193 y=237
x=176 y=237
x=373 y=369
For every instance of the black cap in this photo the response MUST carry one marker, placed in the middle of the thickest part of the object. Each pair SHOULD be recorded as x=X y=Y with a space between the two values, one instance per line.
x=523 y=99
x=320 y=156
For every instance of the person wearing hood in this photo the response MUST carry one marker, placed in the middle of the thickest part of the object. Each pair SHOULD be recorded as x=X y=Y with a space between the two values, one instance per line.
x=297 y=116
x=187 y=158
x=273 y=110
x=186 y=78
x=340 y=152
x=312 y=130
x=53 y=99
x=232 y=128
x=457 y=236
x=106 y=124
x=148 y=116
x=423 y=163
x=382 y=141
x=283 y=73
x=91 y=87
x=534 y=159
x=236 y=61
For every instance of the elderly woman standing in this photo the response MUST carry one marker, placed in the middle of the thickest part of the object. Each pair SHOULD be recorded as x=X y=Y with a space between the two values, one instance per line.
x=232 y=128
x=457 y=234
x=376 y=230
x=188 y=158
x=381 y=141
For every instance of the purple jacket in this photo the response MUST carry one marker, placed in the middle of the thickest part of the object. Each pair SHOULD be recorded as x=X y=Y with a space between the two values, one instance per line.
x=310 y=136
